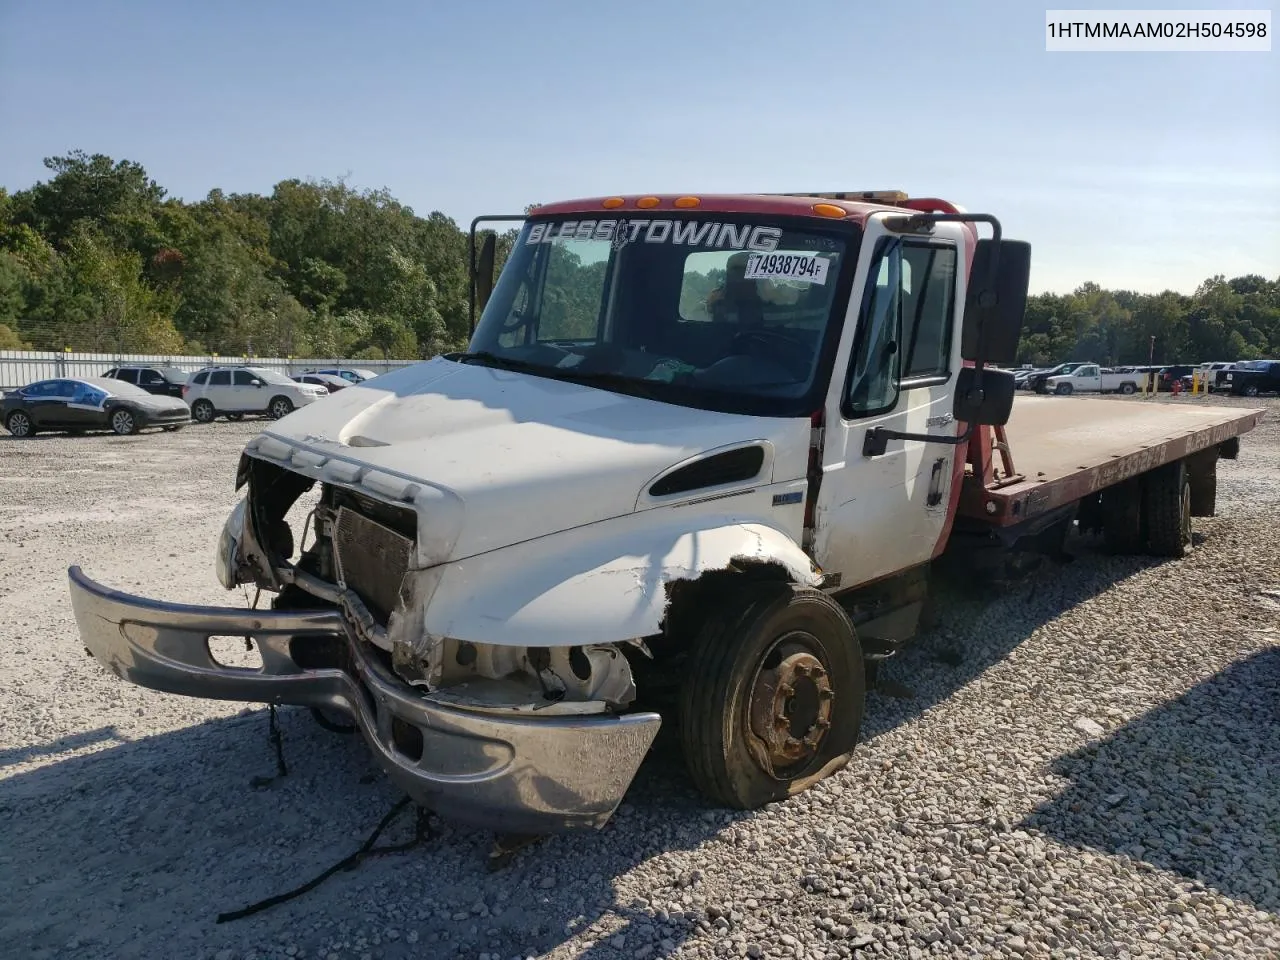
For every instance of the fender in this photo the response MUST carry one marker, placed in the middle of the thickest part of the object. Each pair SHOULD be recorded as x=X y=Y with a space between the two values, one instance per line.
x=602 y=583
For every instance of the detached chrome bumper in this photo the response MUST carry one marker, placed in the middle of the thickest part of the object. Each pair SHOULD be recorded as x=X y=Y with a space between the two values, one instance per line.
x=545 y=775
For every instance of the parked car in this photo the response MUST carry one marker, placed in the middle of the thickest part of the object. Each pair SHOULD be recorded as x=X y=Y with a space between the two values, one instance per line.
x=1220 y=380
x=234 y=391
x=1248 y=378
x=350 y=374
x=1036 y=381
x=1167 y=375
x=1208 y=373
x=164 y=381
x=328 y=381
x=89 y=403
x=1090 y=378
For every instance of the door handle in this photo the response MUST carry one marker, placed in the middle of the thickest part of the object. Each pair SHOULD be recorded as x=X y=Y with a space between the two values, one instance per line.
x=935 y=483
x=876 y=441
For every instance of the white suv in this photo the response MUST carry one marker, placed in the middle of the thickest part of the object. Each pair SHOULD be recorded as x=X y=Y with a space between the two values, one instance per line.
x=235 y=391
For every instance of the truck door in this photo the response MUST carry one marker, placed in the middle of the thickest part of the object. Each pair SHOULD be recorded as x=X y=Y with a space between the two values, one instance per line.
x=896 y=368
x=1088 y=378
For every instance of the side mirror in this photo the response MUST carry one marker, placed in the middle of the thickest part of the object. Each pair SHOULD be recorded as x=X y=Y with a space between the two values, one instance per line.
x=256 y=383
x=484 y=270
x=481 y=267
x=988 y=404
x=996 y=301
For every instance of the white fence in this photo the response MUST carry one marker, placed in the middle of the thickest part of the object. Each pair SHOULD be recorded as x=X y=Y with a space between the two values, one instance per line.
x=20 y=367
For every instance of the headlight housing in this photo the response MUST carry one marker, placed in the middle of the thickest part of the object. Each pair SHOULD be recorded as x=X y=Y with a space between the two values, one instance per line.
x=229 y=547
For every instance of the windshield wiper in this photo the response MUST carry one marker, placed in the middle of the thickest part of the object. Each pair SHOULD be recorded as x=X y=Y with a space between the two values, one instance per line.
x=650 y=389
x=488 y=359
x=605 y=380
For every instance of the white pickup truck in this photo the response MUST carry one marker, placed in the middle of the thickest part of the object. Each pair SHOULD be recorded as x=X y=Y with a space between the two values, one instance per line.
x=1090 y=378
x=715 y=441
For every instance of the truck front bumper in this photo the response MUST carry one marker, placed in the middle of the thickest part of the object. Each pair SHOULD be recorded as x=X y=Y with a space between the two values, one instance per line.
x=490 y=770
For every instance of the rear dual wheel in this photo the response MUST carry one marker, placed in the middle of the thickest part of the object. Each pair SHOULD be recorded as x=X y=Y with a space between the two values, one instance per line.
x=774 y=695
x=1167 y=511
x=1150 y=514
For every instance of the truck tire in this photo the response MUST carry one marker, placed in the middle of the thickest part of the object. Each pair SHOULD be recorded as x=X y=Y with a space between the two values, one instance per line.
x=1251 y=390
x=1122 y=518
x=1063 y=389
x=1202 y=470
x=1128 y=388
x=773 y=695
x=1166 y=507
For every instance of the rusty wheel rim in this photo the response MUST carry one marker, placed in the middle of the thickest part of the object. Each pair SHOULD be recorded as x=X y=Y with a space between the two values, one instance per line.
x=789 y=706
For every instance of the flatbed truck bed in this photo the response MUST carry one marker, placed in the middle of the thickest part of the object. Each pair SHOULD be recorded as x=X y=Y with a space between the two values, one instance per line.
x=1062 y=450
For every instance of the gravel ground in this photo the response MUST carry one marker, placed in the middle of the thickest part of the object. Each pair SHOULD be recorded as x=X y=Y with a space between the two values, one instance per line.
x=1090 y=766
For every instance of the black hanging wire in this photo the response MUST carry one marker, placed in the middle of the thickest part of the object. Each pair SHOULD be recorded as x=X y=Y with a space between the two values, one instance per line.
x=277 y=741
x=422 y=831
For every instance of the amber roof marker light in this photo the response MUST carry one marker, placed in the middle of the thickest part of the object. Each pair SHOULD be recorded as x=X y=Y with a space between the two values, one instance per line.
x=613 y=203
x=647 y=203
x=829 y=210
x=684 y=203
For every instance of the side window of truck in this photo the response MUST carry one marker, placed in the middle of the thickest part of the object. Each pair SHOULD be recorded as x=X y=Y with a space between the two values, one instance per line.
x=928 y=309
x=904 y=327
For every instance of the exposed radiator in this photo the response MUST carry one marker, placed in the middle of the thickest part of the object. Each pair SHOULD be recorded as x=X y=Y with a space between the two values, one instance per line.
x=372 y=560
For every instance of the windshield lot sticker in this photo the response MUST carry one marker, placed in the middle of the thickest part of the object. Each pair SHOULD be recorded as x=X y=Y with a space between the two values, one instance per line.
x=694 y=233
x=804 y=267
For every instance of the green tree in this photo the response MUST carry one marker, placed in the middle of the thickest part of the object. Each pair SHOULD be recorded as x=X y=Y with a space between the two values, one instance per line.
x=118 y=196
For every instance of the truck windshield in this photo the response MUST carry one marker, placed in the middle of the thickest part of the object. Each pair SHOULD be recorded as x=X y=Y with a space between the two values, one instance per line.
x=726 y=313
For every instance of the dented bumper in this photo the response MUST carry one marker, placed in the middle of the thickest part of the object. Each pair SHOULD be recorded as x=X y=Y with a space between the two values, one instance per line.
x=541 y=775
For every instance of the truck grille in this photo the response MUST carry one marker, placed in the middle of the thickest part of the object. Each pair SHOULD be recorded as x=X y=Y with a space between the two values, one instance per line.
x=372 y=560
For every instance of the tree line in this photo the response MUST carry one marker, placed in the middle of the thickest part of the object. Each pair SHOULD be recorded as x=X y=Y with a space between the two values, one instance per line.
x=99 y=258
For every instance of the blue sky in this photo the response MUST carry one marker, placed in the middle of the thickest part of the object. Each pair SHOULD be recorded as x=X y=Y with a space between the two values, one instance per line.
x=1144 y=171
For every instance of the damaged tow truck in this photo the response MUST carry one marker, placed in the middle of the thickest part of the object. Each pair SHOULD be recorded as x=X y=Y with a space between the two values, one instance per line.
x=724 y=436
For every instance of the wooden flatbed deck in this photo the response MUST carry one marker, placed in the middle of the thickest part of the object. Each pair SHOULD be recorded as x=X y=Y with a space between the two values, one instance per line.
x=1066 y=448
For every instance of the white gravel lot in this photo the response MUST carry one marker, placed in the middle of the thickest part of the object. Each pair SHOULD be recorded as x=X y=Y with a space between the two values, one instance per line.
x=1090 y=767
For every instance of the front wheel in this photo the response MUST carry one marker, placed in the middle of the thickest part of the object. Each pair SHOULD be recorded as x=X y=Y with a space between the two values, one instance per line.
x=280 y=407
x=1063 y=389
x=19 y=424
x=1251 y=390
x=773 y=697
x=124 y=423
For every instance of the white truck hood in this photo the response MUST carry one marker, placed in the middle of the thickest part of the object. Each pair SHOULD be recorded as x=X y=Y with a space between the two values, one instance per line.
x=525 y=456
